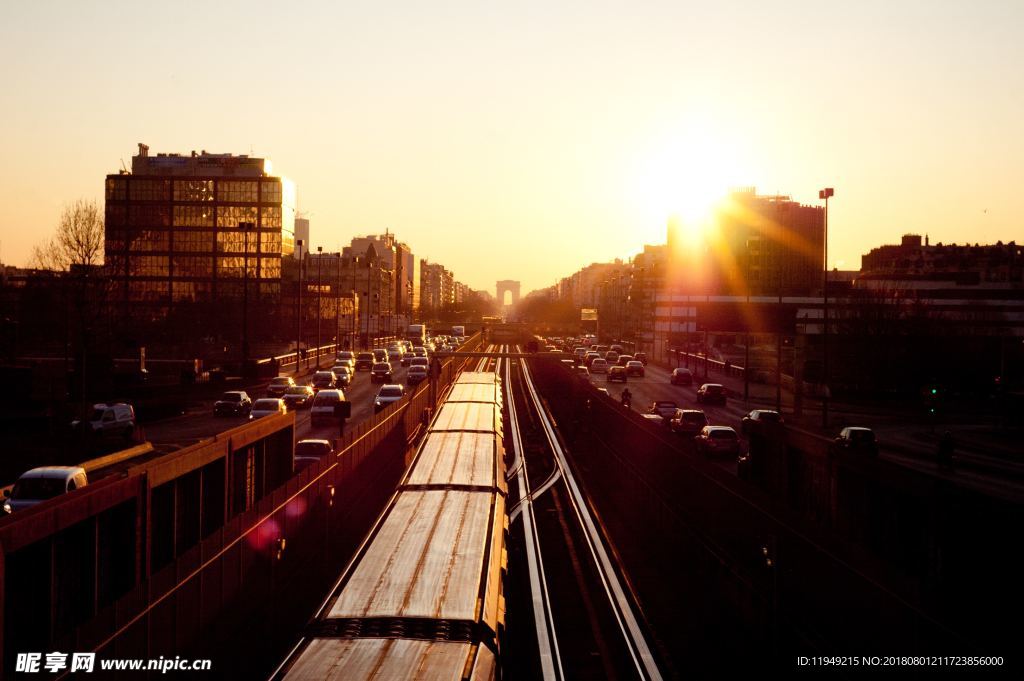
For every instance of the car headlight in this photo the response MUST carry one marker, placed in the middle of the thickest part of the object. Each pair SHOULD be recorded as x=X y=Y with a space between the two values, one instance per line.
x=377 y=402
x=7 y=508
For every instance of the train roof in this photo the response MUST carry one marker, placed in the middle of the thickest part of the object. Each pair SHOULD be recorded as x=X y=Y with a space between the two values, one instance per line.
x=427 y=560
x=477 y=377
x=468 y=416
x=340 y=659
x=458 y=458
x=475 y=392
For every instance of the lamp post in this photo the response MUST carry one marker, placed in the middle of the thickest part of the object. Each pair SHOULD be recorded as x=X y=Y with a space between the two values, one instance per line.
x=825 y=194
x=319 y=299
x=246 y=227
x=298 y=309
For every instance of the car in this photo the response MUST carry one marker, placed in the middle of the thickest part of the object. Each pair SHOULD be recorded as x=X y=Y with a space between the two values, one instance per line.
x=579 y=353
x=760 y=416
x=40 y=484
x=380 y=355
x=233 y=403
x=605 y=391
x=635 y=368
x=267 y=406
x=664 y=408
x=611 y=357
x=388 y=393
x=324 y=407
x=419 y=351
x=688 y=421
x=299 y=397
x=419 y=362
x=654 y=418
x=711 y=393
x=681 y=376
x=346 y=357
x=109 y=420
x=598 y=366
x=617 y=374
x=716 y=440
x=364 y=361
x=416 y=374
x=857 y=439
x=641 y=356
x=623 y=360
x=583 y=372
x=324 y=380
x=617 y=348
x=381 y=371
x=279 y=385
x=343 y=375
x=308 y=452
x=395 y=355
x=590 y=357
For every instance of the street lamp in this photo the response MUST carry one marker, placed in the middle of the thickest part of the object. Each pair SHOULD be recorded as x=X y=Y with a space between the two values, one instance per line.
x=246 y=227
x=298 y=309
x=319 y=299
x=825 y=194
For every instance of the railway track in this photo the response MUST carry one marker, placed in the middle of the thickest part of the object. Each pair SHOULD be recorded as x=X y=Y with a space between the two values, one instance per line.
x=585 y=620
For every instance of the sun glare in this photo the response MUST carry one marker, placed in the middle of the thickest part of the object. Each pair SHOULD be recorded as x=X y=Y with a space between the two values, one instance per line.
x=684 y=178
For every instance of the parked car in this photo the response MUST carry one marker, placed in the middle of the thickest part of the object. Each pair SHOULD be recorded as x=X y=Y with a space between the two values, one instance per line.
x=856 y=439
x=109 y=420
x=681 y=376
x=299 y=397
x=278 y=386
x=416 y=375
x=323 y=409
x=388 y=393
x=760 y=416
x=664 y=408
x=718 y=440
x=617 y=373
x=635 y=368
x=308 y=452
x=40 y=484
x=711 y=393
x=364 y=361
x=598 y=366
x=641 y=356
x=688 y=421
x=324 y=380
x=381 y=371
x=233 y=403
x=267 y=406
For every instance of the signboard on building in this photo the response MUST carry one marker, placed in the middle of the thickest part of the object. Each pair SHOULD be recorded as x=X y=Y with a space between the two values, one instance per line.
x=588 y=315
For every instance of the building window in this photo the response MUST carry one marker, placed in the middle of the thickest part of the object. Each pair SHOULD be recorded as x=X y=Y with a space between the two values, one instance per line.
x=236 y=191
x=270 y=289
x=193 y=216
x=116 y=214
x=234 y=242
x=192 y=242
x=147 y=291
x=271 y=191
x=231 y=267
x=117 y=188
x=270 y=268
x=146 y=240
x=270 y=217
x=270 y=242
x=230 y=216
x=190 y=291
x=148 y=216
x=148 y=266
x=193 y=190
x=193 y=266
x=149 y=190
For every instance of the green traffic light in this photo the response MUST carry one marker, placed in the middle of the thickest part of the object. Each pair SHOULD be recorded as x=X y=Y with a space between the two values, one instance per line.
x=935 y=391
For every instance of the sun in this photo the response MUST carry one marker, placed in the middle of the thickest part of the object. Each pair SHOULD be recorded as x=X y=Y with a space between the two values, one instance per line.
x=683 y=178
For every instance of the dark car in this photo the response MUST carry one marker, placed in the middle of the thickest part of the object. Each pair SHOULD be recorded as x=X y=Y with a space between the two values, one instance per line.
x=617 y=374
x=688 y=421
x=681 y=376
x=711 y=393
x=278 y=386
x=635 y=368
x=308 y=452
x=718 y=440
x=324 y=380
x=624 y=360
x=641 y=356
x=234 y=403
x=416 y=375
x=298 y=397
x=760 y=416
x=381 y=371
x=364 y=361
x=856 y=440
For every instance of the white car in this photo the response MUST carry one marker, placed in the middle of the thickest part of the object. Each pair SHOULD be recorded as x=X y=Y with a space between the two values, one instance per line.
x=40 y=484
x=110 y=419
x=267 y=406
x=599 y=366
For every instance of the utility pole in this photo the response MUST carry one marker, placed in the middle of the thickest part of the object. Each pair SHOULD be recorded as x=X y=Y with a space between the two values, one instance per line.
x=298 y=310
x=319 y=299
x=246 y=227
x=825 y=194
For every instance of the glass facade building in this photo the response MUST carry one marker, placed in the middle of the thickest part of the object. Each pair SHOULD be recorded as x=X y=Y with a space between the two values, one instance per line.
x=193 y=229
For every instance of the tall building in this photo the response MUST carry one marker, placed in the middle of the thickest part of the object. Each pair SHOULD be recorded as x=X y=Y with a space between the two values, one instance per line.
x=437 y=285
x=201 y=228
x=301 y=234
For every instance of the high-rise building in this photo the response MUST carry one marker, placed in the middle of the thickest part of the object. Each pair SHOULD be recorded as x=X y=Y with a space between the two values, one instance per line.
x=202 y=228
x=301 y=234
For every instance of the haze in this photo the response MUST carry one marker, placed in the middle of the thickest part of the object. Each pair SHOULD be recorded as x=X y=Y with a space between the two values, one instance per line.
x=526 y=141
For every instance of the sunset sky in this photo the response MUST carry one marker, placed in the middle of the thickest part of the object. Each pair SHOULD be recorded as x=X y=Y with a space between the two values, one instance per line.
x=525 y=140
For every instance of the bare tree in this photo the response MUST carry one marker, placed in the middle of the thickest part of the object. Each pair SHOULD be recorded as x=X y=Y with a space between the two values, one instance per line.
x=78 y=241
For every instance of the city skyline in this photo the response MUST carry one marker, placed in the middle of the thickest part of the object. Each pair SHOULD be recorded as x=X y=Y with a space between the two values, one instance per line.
x=553 y=136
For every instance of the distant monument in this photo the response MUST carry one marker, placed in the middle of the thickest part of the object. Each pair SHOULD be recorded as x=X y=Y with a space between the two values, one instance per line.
x=508 y=285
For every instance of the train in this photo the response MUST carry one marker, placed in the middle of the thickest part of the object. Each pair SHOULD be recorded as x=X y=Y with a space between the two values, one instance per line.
x=423 y=597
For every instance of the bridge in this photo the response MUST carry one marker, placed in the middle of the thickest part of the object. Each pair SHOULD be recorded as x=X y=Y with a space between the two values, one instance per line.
x=630 y=554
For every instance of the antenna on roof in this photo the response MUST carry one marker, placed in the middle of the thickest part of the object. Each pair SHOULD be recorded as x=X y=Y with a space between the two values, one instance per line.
x=125 y=170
